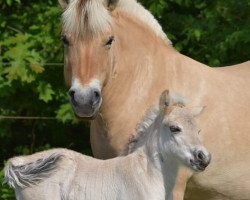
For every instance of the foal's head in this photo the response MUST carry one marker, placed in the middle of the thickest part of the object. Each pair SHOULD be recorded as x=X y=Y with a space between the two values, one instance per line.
x=179 y=133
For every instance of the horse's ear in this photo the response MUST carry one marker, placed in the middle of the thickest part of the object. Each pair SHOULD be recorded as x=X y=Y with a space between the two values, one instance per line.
x=197 y=110
x=63 y=3
x=111 y=4
x=164 y=99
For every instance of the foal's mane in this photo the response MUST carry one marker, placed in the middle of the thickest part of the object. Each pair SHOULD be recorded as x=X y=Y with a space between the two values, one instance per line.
x=144 y=127
x=90 y=17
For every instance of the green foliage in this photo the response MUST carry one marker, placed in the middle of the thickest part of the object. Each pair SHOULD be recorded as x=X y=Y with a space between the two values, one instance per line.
x=23 y=59
x=5 y=192
x=30 y=37
x=213 y=32
x=65 y=114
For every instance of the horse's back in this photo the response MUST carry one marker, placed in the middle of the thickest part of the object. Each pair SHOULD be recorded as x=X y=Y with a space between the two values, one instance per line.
x=242 y=69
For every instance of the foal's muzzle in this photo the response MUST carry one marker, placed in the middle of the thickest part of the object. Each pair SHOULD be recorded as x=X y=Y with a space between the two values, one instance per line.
x=85 y=102
x=201 y=159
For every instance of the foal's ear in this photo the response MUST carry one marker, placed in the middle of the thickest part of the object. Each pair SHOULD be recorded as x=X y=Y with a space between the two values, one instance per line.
x=197 y=110
x=63 y=3
x=164 y=99
x=111 y=4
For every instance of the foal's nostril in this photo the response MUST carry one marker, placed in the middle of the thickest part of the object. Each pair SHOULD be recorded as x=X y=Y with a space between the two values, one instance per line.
x=201 y=156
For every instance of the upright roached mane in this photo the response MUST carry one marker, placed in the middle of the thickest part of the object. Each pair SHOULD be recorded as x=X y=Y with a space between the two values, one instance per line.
x=144 y=127
x=92 y=17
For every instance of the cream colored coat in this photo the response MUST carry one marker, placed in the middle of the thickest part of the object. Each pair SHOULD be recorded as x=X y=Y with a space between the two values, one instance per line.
x=148 y=172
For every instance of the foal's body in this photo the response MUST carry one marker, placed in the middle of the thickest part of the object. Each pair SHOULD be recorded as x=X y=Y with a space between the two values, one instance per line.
x=85 y=178
x=167 y=139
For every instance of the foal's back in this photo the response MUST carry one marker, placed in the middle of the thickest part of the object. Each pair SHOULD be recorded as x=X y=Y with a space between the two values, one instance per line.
x=64 y=174
x=51 y=171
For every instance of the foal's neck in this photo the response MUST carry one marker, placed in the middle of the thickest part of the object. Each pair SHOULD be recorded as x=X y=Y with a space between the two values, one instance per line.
x=166 y=165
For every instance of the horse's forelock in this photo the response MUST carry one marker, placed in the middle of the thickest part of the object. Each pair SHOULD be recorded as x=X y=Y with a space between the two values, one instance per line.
x=86 y=18
x=90 y=17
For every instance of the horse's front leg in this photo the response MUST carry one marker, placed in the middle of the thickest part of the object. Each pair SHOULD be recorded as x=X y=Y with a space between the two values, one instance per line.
x=181 y=181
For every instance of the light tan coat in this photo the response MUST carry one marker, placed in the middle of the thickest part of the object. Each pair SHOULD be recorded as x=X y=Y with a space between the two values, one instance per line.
x=132 y=74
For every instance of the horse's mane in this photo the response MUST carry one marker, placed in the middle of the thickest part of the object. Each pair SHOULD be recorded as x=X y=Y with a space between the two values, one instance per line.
x=91 y=17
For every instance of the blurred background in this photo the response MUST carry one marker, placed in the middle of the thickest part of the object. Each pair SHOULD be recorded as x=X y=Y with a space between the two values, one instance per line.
x=34 y=109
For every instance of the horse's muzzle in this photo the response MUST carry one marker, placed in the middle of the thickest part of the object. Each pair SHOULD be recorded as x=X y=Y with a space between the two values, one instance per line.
x=85 y=102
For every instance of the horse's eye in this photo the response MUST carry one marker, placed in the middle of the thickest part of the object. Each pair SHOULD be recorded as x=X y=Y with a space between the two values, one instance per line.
x=109 y=42
x=175 y=129
x=65 y=40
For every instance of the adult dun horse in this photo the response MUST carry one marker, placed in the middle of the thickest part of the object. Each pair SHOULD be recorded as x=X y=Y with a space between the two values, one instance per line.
x=117 y=62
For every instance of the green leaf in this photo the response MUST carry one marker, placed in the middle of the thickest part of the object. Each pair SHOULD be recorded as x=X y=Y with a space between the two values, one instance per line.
x=45 y=91
x=37 y=68
x=65 y=114
x=197 y=34
x=8 y=2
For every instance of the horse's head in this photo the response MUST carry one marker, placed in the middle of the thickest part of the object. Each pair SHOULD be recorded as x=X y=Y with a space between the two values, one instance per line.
x=88 y=43
x=179 y=133
x=98 y=43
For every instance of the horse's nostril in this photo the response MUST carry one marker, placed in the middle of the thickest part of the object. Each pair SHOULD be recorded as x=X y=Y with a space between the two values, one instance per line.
x=72 y=93
x=72 y=96
x=96 y=97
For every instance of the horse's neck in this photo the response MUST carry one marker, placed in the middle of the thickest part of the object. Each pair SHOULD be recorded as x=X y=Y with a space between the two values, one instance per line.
x=146 y=63
x=145 y=66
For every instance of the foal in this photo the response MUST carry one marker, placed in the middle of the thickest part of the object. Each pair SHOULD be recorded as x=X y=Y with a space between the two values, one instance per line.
x=167 y=138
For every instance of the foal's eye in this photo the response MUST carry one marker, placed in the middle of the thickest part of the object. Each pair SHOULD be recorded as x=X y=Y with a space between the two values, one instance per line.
x=65 y=40
x=175 y=129
x=109 y=42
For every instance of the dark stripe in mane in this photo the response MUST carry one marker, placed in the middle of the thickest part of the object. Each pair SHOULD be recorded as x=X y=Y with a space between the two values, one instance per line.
x=80 y=6
x=142 y=129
